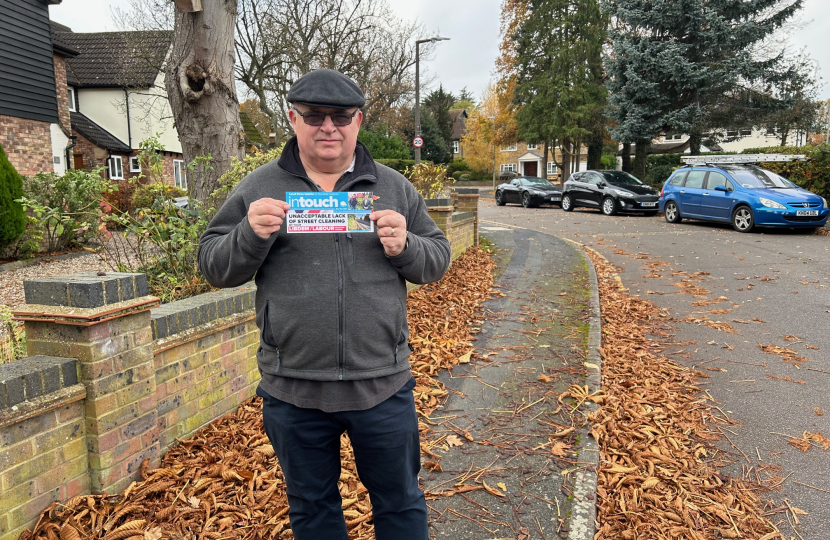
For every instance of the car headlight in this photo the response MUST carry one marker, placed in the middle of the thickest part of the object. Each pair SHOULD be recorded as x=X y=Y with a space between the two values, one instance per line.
x=772 y=204
x=622 y=193
x=824 y=201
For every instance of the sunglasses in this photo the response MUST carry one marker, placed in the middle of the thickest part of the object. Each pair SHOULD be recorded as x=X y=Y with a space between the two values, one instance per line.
x=313 y=118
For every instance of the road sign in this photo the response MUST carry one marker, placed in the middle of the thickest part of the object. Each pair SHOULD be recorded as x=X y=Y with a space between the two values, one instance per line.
x=418 y=142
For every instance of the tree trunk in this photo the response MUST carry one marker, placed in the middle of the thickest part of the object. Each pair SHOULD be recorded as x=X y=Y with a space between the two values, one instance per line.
x=566 y=149
x=544 y=172
x=201 y=89
x=595 y=152
x=784 y=133
x=695 y=140
x=626 y=157
x=640 y=157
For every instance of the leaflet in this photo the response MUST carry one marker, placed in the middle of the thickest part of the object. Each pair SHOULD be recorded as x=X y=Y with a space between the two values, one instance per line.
x=329 y=212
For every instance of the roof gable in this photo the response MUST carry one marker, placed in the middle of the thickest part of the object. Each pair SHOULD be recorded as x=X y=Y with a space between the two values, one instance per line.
x=97 y=135
x=115 y=59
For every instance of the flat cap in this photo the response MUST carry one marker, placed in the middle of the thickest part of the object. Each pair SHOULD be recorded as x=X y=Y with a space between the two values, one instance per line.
x=326 y=88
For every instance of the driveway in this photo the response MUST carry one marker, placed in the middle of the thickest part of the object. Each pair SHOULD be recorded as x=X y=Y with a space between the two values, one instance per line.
x=759 y=330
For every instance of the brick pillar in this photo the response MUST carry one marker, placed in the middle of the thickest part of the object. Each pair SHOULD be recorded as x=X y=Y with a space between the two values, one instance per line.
x=468 y=202
x=103 y=321
x=440 y=210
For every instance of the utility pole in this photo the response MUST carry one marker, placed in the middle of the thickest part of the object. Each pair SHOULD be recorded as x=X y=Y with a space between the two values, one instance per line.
x=418 y=89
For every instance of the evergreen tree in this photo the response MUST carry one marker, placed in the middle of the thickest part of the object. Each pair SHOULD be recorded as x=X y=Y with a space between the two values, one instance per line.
x=560 y=81
x=12 y=217
x=383 y=145
x=438 y=103
x=435 y=148
x=675 y=64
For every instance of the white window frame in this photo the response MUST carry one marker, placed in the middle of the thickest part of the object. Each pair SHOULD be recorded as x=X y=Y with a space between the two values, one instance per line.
x=134 y=160
x=70 y=92
x=532 y=146
x=455 y=147
x=510 y=147
x=115 y=164
x=508 y=167
x=179 y=173
x=551 y=166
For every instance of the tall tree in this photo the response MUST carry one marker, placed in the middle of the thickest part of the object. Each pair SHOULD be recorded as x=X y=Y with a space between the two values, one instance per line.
x=479 y=140
x=673 y=64
x=435 y=147
x=560 y=80
x=12 y=216
x=439 y=103
x=201 y=88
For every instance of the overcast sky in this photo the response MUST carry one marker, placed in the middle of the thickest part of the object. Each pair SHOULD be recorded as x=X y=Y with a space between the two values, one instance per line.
x=473 y=28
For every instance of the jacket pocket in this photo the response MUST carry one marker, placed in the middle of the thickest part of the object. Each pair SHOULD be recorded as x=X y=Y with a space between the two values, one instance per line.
x=268 y=354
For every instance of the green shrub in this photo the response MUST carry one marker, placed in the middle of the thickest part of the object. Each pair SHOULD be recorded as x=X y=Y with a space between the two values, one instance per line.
x=464 y=177
x=69 y=208
x=241 y=169
x=12 y=215
x=813 y=175
x=399 y=165
x=456 y=175
x=383 y=146
x=145 y=194
x=429 y=179
x=458 y=164
x=608 y=161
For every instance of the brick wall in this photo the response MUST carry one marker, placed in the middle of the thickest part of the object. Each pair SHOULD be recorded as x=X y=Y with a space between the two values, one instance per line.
x=124 y=378
x=512 y=156
x=28 y=144
x=62 y=92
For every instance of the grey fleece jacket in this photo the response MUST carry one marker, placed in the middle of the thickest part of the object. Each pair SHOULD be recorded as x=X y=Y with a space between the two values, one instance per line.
x=329 y=306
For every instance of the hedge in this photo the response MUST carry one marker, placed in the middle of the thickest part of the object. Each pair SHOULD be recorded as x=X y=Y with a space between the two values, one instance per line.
x=12 y=217
x=399 y=165
x=813 y=175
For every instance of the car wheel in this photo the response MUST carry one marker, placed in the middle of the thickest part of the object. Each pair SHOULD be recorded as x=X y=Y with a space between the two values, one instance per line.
x=499 y=198
x=567 y=204
x=742 y=219
x=609 y=206
x=672 y=213
x=526 y=200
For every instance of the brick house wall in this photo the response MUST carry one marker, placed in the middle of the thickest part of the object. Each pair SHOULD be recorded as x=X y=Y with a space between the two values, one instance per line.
x=512 y=156
x=27 y=143
x=63 y=93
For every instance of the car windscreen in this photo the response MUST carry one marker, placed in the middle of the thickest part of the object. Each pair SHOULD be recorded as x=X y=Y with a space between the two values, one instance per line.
x=619 y=178
x=536 y=182
x=758 y=178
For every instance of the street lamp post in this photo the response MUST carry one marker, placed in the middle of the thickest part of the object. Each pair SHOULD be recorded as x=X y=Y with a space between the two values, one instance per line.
x=418 y=89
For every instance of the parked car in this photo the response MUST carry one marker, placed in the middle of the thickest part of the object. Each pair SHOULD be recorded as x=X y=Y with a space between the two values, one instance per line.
x=610 y=192
x=745 y=195
x=528 y=191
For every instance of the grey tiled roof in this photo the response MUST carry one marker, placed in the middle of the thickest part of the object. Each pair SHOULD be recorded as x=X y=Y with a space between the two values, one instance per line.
x=459 y=123
x=98 y=135
x=107 y=59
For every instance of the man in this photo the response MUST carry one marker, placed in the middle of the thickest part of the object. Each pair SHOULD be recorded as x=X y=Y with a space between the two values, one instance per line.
x=332 y=313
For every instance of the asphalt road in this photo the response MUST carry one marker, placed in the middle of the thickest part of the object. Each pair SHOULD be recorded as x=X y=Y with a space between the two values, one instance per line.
x=774 y=284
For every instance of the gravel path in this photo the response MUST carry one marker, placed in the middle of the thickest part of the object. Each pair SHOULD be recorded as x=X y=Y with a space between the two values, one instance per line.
x=11 y=281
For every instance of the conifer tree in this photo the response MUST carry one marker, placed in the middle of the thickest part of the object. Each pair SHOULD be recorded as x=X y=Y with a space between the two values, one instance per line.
x=439 y=103
x=560 y=81
x=12 y=217
x=674 y=65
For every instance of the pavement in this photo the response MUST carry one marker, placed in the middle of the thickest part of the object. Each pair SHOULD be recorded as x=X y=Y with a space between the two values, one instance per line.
x=504 y=409
x=775 y=289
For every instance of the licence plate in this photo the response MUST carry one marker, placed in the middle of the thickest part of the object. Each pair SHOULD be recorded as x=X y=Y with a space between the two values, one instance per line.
x=806 y=212
x=648 y=204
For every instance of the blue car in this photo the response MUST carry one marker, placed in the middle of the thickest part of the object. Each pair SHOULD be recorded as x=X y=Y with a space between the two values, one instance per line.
x=742 y=194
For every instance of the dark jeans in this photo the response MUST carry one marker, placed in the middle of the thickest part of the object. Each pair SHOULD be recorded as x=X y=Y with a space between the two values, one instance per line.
x=388 y=457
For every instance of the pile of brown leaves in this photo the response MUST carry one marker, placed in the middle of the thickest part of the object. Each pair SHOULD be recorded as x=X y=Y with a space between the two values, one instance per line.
x=654 y=430
x=225 y=482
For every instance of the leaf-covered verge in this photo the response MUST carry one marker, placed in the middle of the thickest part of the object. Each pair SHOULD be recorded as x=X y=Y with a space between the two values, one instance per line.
x=225 y=482
x=659 y=475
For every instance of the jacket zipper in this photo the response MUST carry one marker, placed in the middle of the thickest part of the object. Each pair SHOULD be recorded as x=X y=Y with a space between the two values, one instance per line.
x=350 y=242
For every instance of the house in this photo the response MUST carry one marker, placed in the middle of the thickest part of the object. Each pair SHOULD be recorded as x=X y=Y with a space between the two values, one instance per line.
x=35 y=124
x=117 y=99
x=526 y=159
x=459 y=127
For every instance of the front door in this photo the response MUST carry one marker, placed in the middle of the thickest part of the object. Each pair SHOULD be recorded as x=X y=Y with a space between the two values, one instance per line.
x=78 y=162
x=530 y=168
x=717 y=204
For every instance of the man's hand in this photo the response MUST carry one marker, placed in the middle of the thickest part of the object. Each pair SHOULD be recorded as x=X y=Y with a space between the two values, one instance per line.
x=391 y=229
x=266 y=215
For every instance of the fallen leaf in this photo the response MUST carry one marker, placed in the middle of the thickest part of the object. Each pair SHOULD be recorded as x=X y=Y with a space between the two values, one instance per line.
x=502 y=486
x=818 y=411
x=559 y=448
x=453 y=440
x=543 y=378
x=465 y=358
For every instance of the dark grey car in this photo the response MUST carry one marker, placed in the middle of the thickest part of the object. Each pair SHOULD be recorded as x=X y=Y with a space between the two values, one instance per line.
x=610 y=192
x=528 y=191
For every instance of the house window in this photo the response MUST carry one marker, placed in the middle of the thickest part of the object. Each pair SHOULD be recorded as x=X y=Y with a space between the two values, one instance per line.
x=116 y=168
x=746 y=132
x=135 y=164
x=455 y=147
x=731 y=132
x=508 y=167
x=551 y=167
x=531 y=146
x=71 y=92
x=180 y=173
x=509 y=148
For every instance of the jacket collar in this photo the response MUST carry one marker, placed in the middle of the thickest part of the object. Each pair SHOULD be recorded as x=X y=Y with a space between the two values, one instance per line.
x=364 y=165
